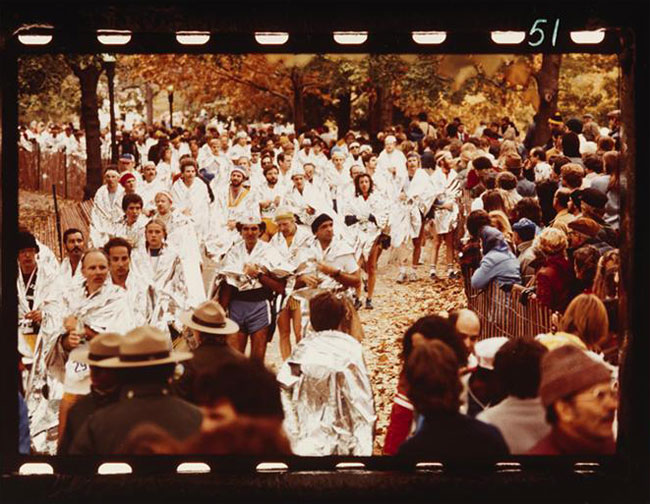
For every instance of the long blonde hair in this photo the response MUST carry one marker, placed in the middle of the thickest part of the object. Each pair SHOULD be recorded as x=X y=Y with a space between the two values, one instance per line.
x=605 y=284
x=500 y=221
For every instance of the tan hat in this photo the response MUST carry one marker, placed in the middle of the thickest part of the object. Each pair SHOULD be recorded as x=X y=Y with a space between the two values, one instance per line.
x=209 y=317
x=142 y=347
x=285 y=213
x=103 y=346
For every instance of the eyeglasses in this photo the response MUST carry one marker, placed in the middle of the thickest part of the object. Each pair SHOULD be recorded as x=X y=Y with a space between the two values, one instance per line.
x=602 y=393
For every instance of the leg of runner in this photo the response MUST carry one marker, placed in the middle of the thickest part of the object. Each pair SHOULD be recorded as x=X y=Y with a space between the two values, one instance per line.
x=258 y=344
x=373 y=257
x=434 y=255
x=449 y=253
x=238 y=341
x=418 y=243
x=284 y=328
x=296 y=317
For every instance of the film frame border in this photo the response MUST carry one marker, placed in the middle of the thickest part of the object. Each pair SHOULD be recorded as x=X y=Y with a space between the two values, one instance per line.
x=384 y=37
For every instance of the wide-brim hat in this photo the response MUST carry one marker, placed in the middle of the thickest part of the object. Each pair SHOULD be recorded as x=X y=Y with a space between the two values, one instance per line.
x=103 y=346
x=144 y=347
x=209 y=317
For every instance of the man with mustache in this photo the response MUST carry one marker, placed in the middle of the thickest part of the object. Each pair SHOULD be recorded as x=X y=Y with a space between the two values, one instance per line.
x=75 y=244
x=580 y=403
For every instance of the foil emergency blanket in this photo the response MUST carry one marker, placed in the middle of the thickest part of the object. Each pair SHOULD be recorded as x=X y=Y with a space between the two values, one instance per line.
x=327 y=397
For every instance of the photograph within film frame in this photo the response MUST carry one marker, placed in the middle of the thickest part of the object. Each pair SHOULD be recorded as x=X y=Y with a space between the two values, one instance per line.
x=548 y=37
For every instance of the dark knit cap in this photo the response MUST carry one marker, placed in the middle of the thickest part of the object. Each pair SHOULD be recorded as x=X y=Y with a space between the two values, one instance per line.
x=568 y=370
x=593 y=197
x=26 y=241
x=321 y=219
x=574 y=124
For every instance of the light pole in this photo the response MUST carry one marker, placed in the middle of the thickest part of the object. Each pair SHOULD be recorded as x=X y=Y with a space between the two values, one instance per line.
x=170 y=97
x=109 y=65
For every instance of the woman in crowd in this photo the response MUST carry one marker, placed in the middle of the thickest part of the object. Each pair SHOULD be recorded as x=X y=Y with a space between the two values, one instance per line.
x=554 y=281
x=367 y=215
x=585 y=264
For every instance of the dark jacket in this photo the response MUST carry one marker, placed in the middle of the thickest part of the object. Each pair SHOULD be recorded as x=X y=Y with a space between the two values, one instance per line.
x=208 y=357
x=78 y=414
x=555 y=283
x=557 y=442
x=106 y=430
x=452 y=435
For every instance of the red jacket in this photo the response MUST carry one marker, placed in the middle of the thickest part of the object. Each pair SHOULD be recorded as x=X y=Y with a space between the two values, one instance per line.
x=555 y=283
x=557 y=442
x=401 y=420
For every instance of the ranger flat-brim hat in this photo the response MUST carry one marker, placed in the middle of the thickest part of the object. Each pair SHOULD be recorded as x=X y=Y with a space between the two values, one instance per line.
x=143 y=347
x=209 y=317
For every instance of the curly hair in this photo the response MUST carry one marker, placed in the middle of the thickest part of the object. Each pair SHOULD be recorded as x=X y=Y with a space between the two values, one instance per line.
x=552 y=241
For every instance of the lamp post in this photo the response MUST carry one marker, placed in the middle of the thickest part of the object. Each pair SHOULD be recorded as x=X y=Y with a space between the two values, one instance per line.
x=109 y=65
x=170 y=97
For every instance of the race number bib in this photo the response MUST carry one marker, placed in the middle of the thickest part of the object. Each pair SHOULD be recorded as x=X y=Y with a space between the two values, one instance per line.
x=77 y=377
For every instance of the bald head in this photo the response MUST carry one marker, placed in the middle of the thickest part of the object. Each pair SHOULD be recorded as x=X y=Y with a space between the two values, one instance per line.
x=468 y=326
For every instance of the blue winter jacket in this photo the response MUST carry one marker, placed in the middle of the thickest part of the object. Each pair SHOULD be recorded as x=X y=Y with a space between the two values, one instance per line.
x=498 y=263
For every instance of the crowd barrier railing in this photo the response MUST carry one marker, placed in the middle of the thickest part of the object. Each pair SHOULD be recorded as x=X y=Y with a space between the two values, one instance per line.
x=502 y=313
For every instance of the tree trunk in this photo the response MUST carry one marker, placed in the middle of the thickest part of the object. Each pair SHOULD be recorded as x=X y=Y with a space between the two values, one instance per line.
x=547 y=88
x=386 y=111
x=88 y=78
x=298 y=106
x=148 y=97
x=343 y=112
x=374 y=113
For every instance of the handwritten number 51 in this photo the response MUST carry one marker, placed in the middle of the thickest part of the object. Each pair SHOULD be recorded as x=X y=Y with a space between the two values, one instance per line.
x=538 y=32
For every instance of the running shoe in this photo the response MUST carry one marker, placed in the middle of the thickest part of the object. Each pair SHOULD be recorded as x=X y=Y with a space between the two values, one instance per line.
x=369 y=304
x=357 y=303
x=412 y=275
x=453 y=274
x=401 y=276
x=432 y=273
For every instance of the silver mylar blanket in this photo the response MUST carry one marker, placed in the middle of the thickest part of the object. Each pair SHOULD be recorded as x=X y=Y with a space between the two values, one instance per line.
x=327 y=397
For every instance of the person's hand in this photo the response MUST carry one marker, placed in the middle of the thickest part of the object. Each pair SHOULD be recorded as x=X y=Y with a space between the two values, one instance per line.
x=149 y=213
x=310 y=210
x=251 y=270
x=265 y=204
x=231 y=225
x=325 y=268
x=373 y=219
x=391 y=170
x=555 y=321
x=187 y=212
x=402 y=197
x=70 y=323
x=277 y=200
x=35 y=315
x=447 y=206
x=72 y=341
x=309 y=280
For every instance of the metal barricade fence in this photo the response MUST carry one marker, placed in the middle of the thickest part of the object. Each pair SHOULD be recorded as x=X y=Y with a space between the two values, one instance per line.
x=502 y=313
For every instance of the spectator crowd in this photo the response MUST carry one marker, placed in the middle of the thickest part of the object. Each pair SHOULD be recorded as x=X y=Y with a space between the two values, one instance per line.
x=131 y=345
